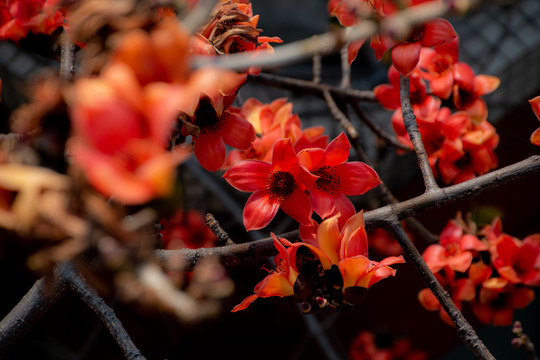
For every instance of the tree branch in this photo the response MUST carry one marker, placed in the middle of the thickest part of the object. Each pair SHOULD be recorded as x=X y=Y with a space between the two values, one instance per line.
x=90 y=297
x=409 y=119
x=464 y=329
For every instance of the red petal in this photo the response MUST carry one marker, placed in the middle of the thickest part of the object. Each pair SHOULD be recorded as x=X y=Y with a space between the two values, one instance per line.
x=355 y=244
x=485 y=84
x=337 y=152
x=259 y=211
x=354 y=271
x=535 y=137
x=438 y=32
x=354 y=47
x=344 y=206
x=248 y=175
x=283 y=155
x=298 y=207
x=329 y=238
x=388 y=96
x=522 y=297
x=323 y=203
x=405 y=57
x=356 y=178
x=451 y=234
x=460 y=262
x=442 y=86
x=535 y=105
x=428 y=300
x=310 y=158
x=245 y=303
x=210 y=151
x=236 y=131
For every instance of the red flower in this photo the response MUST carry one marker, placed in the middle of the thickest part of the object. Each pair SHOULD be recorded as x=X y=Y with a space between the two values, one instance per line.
x=468 y=88
x=455 y=251
x=336 y=178
x=217 y=130
x=186 y=229
x=436 y=65
x=348 y=249
x=18 y=17
x=275 y=185
x=497 y=300
x=278 y=283
x=406 y=54
x=535 y=105
x=364 y=347
x=388 y=94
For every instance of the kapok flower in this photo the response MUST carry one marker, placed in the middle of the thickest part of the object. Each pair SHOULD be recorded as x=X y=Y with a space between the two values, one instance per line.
x=278 y=283
x=186 y=229
x=468 y=89
x=18 y=17
x=455 y=250
x=437 y=66
x=120 y=132
x=274 y=121
x=214 y=130
x=348 y=250
x=279 y=184
x=517 y=261
x=337 y=178
x=497 y=300
x=406 y=53
x=535 y=105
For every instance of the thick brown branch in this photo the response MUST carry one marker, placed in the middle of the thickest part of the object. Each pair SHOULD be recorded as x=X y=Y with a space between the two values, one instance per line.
x=465 y=330
x=232 y=255
x=37 y=301
x=409 y=119
x=90 y=297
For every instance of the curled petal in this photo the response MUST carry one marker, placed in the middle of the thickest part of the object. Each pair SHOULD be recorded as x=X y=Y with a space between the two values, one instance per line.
x=283 y=155
x=355 y=271
x=438 y=32
x=405 y=57
x=330 y=238
x=337 y=152
x=245 y=303
x=354 y=47
x=237 y=132
x=355 y=244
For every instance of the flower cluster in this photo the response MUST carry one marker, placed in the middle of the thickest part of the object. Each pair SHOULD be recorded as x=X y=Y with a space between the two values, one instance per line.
x=460 y=145
x=489 y=269
x=405 y=52
x=314 y=179
x=330 y=268
x=19 y=17
x=215 y=123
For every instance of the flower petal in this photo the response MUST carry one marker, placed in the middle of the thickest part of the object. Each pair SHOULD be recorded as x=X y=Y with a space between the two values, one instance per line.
x=283 y=155
x=298 y=207
x=356 y=178
x=323 y=203
x=236 y=131
x=210 y=151
x=259 y=211
x=329 y=238
x=438 y=32
x=248 y=175
x=337 y=152
x=405 y=57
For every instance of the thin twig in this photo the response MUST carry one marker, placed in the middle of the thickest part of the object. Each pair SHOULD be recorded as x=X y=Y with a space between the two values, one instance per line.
x=464 y=329
x=522 y=340
x=317 y=68
x=339 y=115
x=389 y=139
x=345 y=67
x=67 y=58
x=310 y=87
x=409 y=119
x=199 y=15
x=222 y=236
x=90 y=297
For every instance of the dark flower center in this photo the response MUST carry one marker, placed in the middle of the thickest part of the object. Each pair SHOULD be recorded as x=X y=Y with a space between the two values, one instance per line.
x=328 y=180
x=441 y=64
x=280 y=185
x=206 y=117
x=417 y=35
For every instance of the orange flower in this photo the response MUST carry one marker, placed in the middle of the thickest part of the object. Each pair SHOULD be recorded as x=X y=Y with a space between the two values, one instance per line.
x=278 y=283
